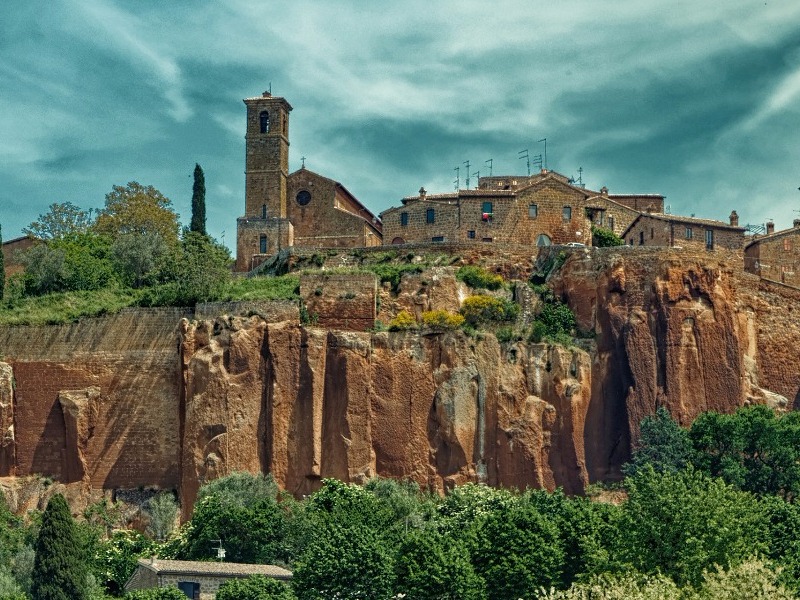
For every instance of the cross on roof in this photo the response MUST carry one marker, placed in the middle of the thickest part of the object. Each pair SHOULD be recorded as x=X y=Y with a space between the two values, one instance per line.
x=303 y=158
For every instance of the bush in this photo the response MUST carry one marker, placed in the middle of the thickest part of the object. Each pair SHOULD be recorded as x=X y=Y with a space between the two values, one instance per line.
x=166 y=593
x=441 y=320
x=255 y=587
x=392 y=273
x=484 y=309
x=605 y=238
x=479 y=278
x=403 y=321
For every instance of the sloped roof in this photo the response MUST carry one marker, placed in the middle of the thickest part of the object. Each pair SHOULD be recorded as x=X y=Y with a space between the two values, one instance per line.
x=684 y=220
x=223 y=569
x=773 y=236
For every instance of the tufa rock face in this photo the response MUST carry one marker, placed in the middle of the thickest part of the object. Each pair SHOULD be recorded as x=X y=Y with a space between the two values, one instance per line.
x=156 y=400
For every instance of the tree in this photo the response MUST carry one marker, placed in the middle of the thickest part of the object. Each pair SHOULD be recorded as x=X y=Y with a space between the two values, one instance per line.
x=198 y=223
x=138 y=210
x=165 y=593
x=663 y=445
x=605 y=238
x=161 y=511
x=45 y=270
x=59 y=571
x=255 y=587
x=139 y=258
x=682 y=523
x=61 y=220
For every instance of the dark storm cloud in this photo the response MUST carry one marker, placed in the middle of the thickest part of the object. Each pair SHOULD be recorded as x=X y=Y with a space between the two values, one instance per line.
x=699 y=102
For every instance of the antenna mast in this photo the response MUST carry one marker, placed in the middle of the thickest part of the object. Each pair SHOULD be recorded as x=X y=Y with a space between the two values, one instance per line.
x=489 y=162
x=457 y=181
x=524 y=154
x=467 y=163
x=478 y=175
x=545 y=151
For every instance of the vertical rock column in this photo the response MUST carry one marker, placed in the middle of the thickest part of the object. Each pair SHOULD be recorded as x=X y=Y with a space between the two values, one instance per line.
x=7 y=442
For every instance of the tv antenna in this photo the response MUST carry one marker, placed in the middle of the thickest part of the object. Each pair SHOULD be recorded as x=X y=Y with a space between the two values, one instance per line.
x=524 y=154
x=478 y=175
x=580 y=176
x=457 y=181
x=467 y=163
x=537 y=161
x=545 y=150
x=220 y=550
x=489 y=162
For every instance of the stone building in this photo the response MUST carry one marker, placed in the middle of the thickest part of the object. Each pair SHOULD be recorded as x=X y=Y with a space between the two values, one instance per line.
x=198 y=580
x=299 y=209
x=11 y=251
x=542 y=209
x=685 y=232
x=775 y=256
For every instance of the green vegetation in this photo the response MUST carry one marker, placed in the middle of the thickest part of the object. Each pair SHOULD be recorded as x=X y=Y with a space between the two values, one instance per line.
x=605 y=238
x=2 y=267
x=255 y=587
x=555 y=322
x=479 y=278
x=65 y=307
x=166 y=593
x=441 y=320
x=392 y=273
x=480 y=310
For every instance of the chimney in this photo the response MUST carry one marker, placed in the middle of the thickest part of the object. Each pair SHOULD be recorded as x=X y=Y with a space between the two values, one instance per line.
x=734 y=219
x=796 y=223
x=422 y=193
x=770 y=227
x=604 y=191
x=153 y=560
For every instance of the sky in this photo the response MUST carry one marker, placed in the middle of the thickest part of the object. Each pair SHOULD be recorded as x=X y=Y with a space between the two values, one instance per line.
x=697 y=101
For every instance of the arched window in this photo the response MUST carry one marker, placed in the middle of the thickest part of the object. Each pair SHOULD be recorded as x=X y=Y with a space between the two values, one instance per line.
x=263 y=211
x=398 y=240
x=543 y=240
x=264 y=120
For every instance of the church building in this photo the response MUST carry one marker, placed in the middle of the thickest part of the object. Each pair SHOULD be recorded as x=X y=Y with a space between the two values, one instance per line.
x=301 y=209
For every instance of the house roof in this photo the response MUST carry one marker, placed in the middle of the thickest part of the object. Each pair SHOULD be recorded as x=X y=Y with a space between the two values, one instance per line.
x=196 y=567
x=684 y=220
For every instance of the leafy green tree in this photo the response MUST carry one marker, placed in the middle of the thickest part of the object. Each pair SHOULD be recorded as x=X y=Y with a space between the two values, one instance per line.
x=59 y=571
x=605 y=238
x=9 y=588
x=203 y=269
x=783 y=519
x=622 y=586
x=198 y=223
x=45 y=270
x=61 y=220
x=87 y=260
x=749 y=580
x=663 y=445
x=139 y=258
x=138 y=210
x=431 y=567
x=116 y=557
x=161 y=511
x=165 y=593
x=682 y=523
x=255 y=587
x=518 y=552
x=345 y=561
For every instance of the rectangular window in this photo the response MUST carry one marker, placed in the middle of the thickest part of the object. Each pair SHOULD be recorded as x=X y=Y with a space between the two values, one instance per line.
x=688 y=233
x=430 y=216
x=533 y=211
x=262 y=244
x=471 y=234
x=787 y=244
x=487 y=240
x=641 y=238
x=486 y=212
x=652 y=233
x=611 y=223
x=403 y=219
x=437 y=238
x=567 y=213
x=710 y=239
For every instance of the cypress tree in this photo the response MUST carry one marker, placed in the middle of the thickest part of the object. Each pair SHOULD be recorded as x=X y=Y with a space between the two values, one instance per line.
x=198 y=223
x=59 y=571
x=2 y=266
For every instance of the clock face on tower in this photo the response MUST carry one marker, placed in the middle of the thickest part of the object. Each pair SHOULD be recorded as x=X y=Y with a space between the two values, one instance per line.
x=303 y=197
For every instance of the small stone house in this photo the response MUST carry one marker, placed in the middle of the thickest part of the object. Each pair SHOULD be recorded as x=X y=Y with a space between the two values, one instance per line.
x=685 y=232
x=198 y=580
x=539 y=210
x=11 y=251
x=776 y=255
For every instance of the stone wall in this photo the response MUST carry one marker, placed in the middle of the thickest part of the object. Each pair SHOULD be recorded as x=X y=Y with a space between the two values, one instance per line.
x=11 y=250
x=340 y=301
x=665 y=232
x=253 y=235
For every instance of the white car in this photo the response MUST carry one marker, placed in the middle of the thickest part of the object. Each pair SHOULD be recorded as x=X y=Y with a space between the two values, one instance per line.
x=575 y=245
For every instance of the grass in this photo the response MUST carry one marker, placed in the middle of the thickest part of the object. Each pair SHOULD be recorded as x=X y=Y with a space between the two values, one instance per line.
x=283 y=287
x=66 y=307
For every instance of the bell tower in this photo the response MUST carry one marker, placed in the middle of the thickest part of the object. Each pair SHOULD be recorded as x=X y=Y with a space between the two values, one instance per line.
x=267 y=159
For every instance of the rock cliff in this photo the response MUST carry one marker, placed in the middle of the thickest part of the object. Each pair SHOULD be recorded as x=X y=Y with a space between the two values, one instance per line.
x=172 y=399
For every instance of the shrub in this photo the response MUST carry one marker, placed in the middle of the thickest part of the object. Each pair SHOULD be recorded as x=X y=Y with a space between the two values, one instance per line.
x=441 y=320
x=393 y=273
x=255 y=587
x=605 y=238
x=479 y=278
x=506 y=334
x=483 y=309
x=403 y=321
x=557 y=318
